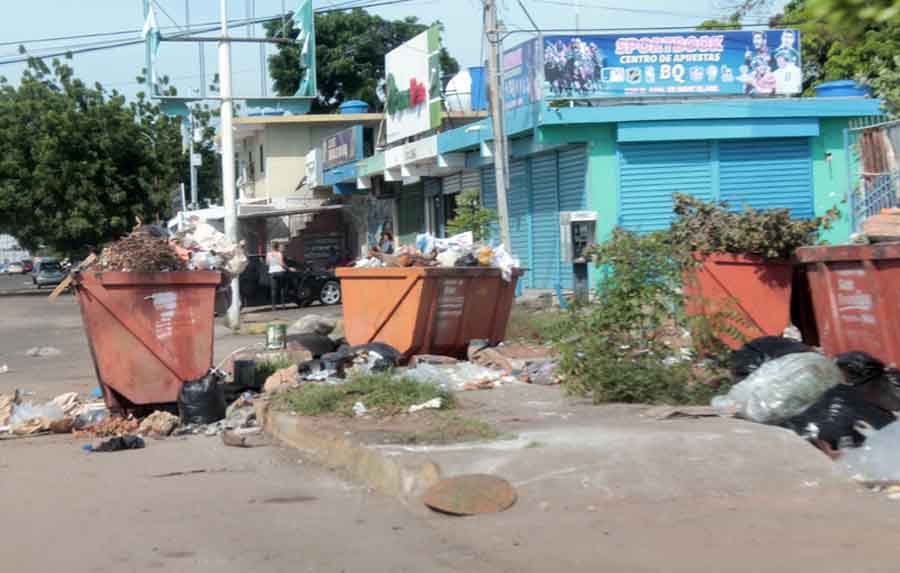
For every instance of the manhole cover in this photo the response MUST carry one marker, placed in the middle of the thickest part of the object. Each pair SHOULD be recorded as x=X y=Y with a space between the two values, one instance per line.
x=470 y=495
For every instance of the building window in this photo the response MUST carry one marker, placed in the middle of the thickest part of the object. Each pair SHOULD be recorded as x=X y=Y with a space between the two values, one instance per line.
x=262 y=160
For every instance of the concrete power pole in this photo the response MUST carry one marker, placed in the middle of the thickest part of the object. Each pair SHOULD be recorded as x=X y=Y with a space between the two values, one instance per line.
x=501 y=155
x=226 y=112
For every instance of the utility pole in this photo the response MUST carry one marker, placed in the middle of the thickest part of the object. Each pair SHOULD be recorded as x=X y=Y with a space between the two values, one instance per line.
x=226 y=112
x=192 y=166
x=501 y=156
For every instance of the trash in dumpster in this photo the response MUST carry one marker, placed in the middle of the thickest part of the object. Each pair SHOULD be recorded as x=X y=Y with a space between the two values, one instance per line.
x=211 y=249
x=139 y=251
x=879 y=458
x=158 y=424
x=780 y=388
x=117 y=444
x=748 y=358
x=43 y=352
x=202 y=401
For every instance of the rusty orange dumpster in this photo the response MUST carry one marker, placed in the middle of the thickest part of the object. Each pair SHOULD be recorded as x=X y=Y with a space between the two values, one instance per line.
x=426 y=310
x=148 y=332
x=856 y=297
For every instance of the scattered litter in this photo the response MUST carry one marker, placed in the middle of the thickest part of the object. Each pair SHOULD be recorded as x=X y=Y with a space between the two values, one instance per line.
x=97 y=392
x=4 y=369
x=241 y=413
x=542 y=373
x=313 y=324
x=202 y=401
x=117 y=444
x=281 y=380
x=433 y=404
x=7 y=403
x=840 y=418
x=108 y=426
x=43 y=352
x=460 y=376
x=159 y=424
x=669 y=412
x=780 y=388
x=433 y=359
x=28 y=419
x=69 y=403
x=359 y=409
x=470 y=495
x=244 y=438
x=91 y=415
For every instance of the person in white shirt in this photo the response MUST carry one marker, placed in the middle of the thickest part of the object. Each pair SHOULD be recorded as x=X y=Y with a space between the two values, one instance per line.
x=788 y=76
x=277 y=269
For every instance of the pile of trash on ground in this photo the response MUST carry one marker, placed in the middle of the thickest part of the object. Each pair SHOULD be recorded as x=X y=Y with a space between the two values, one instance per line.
x=150 y=248
x=846 y=406
x=456 y=251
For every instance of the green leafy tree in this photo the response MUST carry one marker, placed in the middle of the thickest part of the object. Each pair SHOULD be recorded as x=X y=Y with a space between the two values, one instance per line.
x=209 y=175
x=471 y=216
x=833 y=51
x=79 y=164
x=856 y=17
x=350 y=50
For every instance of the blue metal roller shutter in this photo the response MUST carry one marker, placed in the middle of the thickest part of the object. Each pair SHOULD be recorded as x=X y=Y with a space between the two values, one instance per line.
x=489 y=196
x=572 y=196
x=649 y=173
x=519 y=213
x=767 y=174
x=545 y=194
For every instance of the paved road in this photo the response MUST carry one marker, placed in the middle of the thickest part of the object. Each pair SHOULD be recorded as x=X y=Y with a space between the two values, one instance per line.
x=15 y=283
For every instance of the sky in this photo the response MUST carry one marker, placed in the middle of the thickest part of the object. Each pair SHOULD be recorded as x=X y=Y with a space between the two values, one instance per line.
x=24 y=21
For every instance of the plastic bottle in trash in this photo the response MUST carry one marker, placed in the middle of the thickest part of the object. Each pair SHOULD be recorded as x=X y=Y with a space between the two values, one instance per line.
x=485 y=255
x=91 y=418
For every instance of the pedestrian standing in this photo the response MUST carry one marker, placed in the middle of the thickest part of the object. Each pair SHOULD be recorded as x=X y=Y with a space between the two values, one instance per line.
x=277 y=268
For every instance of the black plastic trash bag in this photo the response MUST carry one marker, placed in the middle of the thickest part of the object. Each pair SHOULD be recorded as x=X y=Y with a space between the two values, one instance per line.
x=388 y=356
x=746 y=360
x=202 y=401
x=840 y=418
x=120 y=443
x=859 y=367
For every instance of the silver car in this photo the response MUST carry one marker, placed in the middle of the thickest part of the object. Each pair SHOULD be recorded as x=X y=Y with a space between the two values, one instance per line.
x=47 y=272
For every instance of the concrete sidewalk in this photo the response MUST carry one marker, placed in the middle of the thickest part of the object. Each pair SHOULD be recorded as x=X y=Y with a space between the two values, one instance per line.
x=603 y=488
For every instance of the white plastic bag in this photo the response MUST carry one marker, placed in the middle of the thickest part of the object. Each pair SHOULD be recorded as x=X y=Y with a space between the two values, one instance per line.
x=780 y=388
x=504 y=261
x=879 y=458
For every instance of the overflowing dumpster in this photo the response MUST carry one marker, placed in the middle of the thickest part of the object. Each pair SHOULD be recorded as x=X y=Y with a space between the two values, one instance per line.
x=426 y=310
x=148 y=332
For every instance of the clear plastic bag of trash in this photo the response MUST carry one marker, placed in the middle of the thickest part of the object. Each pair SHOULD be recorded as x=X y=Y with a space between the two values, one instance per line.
x=780 y=388
x=455 y=376
x=27 y=411
x=879 y=458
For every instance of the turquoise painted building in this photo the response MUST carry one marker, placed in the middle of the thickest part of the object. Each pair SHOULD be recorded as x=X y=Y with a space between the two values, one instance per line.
x=624 y=161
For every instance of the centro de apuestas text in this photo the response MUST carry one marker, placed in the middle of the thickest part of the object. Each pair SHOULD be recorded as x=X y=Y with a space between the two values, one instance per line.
x=666 y=58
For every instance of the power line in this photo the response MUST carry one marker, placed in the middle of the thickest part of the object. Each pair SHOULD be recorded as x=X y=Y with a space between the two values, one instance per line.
x=584 y=4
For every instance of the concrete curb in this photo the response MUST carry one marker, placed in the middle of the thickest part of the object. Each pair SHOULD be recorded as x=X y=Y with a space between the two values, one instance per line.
x=403 y=477
x=27 y=292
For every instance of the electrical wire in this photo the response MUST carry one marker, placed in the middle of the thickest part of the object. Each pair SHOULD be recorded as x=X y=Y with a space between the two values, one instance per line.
x=585 y=4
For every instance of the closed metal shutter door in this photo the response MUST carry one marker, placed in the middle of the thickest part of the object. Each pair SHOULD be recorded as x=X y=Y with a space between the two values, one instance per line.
x=519 y=200
x=471 y=180
x=452 y=184
x=649 y=173
x=489 y=196
x=544 y=272
x=767 y=174
x=412 y=213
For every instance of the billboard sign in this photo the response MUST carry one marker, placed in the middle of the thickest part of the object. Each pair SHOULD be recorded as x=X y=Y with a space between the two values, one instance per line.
x=521 y=81
x=763 y=63
x=343 y=147
x=413 y=86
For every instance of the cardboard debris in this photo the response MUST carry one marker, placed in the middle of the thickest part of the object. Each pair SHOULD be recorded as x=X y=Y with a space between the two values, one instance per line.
x=159 y=424
x=281 y=380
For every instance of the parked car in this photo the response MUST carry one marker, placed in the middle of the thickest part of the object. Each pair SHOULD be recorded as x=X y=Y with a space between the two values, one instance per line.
x=27 y=266
x=2 y=268
x=304 y=286
x=47 y=272
x=15 y=269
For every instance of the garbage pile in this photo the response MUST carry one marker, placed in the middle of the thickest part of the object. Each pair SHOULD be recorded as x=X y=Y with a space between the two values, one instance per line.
x=456 y=251
x=838 y=405
x=149 y=248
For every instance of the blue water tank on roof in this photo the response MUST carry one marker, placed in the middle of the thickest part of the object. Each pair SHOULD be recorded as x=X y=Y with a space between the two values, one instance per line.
x=842 y=88
x=353 y=106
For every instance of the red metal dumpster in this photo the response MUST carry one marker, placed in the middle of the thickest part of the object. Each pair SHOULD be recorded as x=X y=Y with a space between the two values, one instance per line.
x=426 y=310
x=148 y=332
x=856 y=296
x=756 y=291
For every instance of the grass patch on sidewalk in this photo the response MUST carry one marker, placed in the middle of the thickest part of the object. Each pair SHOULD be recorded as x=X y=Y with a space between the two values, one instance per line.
x=449 y=428
x=383 y=394
x=531 y=325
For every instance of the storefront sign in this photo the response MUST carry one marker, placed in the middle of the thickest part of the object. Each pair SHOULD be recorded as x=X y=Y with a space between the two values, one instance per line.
x=763 y=63
x=413 y=88
x=412 y=152
x=343 y=147
x=521 y=83
x=314 y=168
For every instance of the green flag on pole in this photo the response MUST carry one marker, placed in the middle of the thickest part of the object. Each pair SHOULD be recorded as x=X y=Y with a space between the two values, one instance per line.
x=304 y=21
